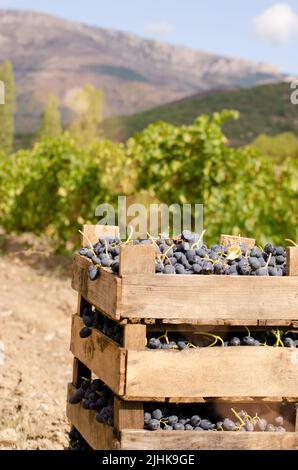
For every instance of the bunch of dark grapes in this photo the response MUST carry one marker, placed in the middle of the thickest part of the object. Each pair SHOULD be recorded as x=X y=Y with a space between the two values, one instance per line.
x=183 y=420
x=105 y=253
x=95 y=319
x=184 y=255
x=76 y=441
x=288 y=339
x=96 y=396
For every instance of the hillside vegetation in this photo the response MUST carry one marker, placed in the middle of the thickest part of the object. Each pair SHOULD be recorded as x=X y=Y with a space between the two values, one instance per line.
x=264 y=109
x=242 y=191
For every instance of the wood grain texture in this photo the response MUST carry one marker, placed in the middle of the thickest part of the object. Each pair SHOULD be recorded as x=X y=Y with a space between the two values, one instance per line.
x=213 y=372
x=192 y=322
x=193 y=440
x=231 y=239
x=128 y=415
x=104 y=293
x=292 y=261
x=137 y=259
x=79 y=370
x=98 y=435
x=134 y=336
x=93 y=232
x=100 y=354
x=210 y=297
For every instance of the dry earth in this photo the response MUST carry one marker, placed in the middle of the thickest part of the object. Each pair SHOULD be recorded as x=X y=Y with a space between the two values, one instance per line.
x=36 y=303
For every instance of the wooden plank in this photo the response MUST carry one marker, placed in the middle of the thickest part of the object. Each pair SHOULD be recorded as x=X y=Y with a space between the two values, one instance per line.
x=134 y=336
x=82 y=303
x=292 y=261
x=213 y=372
x=100 y=354
x=231 y=239
x=99 y=436
x=79 y=370
x=104 y=293
x=128 y=415
x=184 y=296
x=193 y=440
x=218 y=329
x=191 y=322
x=93 y=232
x=137 y=259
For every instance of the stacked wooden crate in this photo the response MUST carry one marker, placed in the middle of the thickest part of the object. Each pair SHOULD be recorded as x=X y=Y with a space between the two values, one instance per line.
x=142 y=302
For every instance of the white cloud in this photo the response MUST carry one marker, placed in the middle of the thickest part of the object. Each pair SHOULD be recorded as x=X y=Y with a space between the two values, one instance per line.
x=159 y=28
x=277 y=24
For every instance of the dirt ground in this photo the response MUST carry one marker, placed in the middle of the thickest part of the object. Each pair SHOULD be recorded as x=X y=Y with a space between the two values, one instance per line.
x=36 y=303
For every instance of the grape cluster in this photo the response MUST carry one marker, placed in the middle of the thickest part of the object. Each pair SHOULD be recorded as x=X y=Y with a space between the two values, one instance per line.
x=186 y=255
x=96 y=396
x=169 y=420
x=202 y=339
x=95 y=319
x=76 y=441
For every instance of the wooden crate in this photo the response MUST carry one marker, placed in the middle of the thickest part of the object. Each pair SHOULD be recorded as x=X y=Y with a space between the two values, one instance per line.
x=128 y=434
x=190 y=374
x=138 y=293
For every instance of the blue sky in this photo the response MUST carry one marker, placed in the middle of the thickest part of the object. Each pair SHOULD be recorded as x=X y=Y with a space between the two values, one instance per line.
x=260 y=30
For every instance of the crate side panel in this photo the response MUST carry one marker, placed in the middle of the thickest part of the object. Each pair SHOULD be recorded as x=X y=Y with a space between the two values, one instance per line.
x=193 y=440
x=213 y=372
x=99 y=436
x=103 y=293
x=100 y=354
x=210 y=297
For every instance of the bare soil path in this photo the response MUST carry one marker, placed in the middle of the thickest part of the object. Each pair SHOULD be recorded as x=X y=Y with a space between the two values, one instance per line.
x=36 y=303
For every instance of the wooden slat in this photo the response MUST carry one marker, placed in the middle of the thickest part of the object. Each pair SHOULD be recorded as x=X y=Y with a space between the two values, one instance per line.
x=193 y=440
x=99 y=436
x=137 y=259
x=104 y=293
x=134 y=336
x=191 y=322
x=218 y=329
x=93 y=232
x=82 y=303
x=213 y=372
x=79 y=370
x=292 y=261
x=101 y=355
x=128 y=415
x=223 y=297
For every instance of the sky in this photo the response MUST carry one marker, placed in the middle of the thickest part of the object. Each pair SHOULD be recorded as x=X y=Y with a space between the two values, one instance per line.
x=259 y=30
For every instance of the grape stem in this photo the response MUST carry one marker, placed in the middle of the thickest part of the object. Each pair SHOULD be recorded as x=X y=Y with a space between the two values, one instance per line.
x=165 y=336
x=130 y=235
x=196 y=244
x=238 y=417
x=268 y=261
x=216 y=338
x=164 y=255
x=106 y=247
x=276 y=333
x=88 y=240
x=291 y=241
x=248 y=330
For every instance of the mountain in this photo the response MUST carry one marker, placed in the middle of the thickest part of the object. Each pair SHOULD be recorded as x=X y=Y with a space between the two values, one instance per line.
x=50 y=54
x=263 y=109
